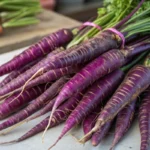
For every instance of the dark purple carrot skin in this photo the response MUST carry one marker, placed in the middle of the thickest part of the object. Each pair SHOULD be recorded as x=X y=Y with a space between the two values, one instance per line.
x=139 y=39
x=48 y=107
x=51 y=76
x=136 y=81
x=144 y=121
x=54 y=52
x=13 y=103
x=24 y=77
x=89 y=50
x=16 y=73
x=59 y=116
x=95 y=96
x=40 y=101
x=77 y=54
x=46 y=45
x=101 y=133
x=123 y=122
x=89 y=121
x=98 y=68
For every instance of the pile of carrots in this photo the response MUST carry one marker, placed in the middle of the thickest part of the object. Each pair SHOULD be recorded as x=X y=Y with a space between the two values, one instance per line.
x=95 y=82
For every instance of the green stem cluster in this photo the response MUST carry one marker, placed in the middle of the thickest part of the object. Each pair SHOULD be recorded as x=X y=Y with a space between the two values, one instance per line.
x=108 y=16
x=119 y=9
x=18 y=13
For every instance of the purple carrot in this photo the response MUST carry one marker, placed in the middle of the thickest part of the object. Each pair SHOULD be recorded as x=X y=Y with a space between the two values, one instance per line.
x=59 y=116
x=136 y=81
x=89 y=121
x=123 y=122
x=16 y=73
x=75 y=55
x=48 y=107
x=79 y=54
x=54 y=52
x=101 y=133
x=50 y=93
x=96 y=95
x=13 y=103
x=96 y=69
x=46 y=45
x=21 y=80
x=51 y=76
x=144 y=121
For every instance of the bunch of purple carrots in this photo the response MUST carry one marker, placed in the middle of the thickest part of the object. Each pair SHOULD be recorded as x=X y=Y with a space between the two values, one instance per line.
x=97 y=82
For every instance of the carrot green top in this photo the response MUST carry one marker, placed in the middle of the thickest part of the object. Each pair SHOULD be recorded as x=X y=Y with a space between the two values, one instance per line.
x=117 y=10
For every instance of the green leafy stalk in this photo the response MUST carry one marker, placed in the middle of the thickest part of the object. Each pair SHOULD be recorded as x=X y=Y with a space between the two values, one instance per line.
x=15 y=13
x=21 y=22
x=108 y=16
x=134 y=62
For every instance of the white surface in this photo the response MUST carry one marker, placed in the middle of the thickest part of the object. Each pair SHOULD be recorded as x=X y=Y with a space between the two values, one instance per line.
x=131 y=141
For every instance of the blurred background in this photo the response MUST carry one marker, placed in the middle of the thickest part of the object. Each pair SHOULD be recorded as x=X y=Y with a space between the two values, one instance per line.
x=23 y=22
x=80 y=10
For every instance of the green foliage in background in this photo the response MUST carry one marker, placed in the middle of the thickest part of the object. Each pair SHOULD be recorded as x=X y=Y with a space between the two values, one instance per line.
x=16 y=13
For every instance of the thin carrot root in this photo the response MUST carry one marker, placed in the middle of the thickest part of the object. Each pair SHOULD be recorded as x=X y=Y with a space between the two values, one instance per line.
x=48 y=125
x=75 y=138
x=97 y=126
x=10 y=142
x=24 y=86
x=12 y=128
x=54 y=144
x=112 y=147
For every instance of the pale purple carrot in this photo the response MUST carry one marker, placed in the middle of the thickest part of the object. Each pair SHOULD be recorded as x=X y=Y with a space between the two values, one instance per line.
x=10 y=105
x=96 y=95
x=144 y=121
x=123 y=122
x=40 y=101
x=59 y=116
x=101 y=133
x=96 y=69
x=136 y=81
x=46 y=45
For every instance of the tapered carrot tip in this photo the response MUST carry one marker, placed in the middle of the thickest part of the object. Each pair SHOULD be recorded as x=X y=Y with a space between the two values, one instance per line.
x=75 y=138
x=84 y=139
x=10 y=142
x=94 y=143
x=54 y=144
x=112 y=147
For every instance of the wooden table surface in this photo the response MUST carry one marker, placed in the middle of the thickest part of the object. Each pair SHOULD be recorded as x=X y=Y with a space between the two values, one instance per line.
x=50 y=21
